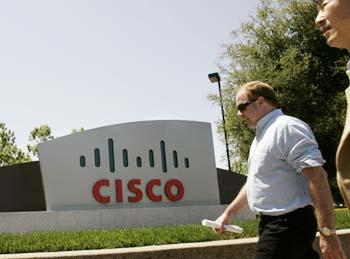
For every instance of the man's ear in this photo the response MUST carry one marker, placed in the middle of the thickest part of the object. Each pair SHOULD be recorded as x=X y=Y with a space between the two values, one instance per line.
x=261 y=99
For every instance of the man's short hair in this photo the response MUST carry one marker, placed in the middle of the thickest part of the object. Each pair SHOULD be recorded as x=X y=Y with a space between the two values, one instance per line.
x=318 y=2
x=255 y=89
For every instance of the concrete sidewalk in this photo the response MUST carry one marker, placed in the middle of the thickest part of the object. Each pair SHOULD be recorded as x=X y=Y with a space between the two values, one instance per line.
x=237 y=248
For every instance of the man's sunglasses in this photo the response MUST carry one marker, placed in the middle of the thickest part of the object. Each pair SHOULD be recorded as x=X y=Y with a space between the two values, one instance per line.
x=243 y=106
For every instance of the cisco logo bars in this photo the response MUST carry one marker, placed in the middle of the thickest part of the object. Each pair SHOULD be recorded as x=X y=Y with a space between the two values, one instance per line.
x=97 y=158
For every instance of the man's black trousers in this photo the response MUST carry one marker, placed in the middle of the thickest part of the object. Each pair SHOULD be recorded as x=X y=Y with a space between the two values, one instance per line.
x=288 y=236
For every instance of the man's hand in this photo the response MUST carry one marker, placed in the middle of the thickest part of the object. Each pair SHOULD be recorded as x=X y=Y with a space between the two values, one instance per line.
x=236 y=205
x=224 y=219
x=331 y=248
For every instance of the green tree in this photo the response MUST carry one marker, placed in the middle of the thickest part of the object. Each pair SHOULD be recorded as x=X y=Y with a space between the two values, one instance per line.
x=38 y=135
x=10 y=153
x=281 y=46
x=73 y=131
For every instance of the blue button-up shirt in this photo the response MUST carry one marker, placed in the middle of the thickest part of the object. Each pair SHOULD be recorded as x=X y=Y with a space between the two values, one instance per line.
x=282 y=148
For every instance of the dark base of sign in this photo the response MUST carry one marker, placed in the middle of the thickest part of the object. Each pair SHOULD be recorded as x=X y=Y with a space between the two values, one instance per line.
x=230 y=184
x=21 y=188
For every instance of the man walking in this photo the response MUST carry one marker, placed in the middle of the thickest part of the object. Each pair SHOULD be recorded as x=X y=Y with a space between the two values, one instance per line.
x=285 y=183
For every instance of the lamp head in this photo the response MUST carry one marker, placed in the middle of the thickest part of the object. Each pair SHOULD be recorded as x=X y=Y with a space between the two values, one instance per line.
x=214 y=77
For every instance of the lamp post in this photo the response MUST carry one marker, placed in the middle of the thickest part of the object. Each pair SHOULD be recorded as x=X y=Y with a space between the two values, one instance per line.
x=215 y=77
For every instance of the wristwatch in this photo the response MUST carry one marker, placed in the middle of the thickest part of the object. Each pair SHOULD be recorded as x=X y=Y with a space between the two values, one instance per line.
x=327 y=231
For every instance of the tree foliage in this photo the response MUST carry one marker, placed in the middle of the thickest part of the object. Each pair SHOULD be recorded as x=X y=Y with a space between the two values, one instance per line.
x=281 y=46
x=38 y=135
x=10 y=153
x=73 y=131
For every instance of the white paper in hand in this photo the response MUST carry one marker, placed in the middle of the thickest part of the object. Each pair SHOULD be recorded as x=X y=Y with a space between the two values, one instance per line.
x=231 y=228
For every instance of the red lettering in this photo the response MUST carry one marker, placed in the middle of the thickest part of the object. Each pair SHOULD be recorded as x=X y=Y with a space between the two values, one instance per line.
x=96 y=191
x=149 y=190
x=119 y=190
x=132 y=188
x=174 y=190
x=180 y=190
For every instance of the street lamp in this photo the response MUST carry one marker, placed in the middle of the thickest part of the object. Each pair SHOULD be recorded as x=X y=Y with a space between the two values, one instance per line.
x=215 y=77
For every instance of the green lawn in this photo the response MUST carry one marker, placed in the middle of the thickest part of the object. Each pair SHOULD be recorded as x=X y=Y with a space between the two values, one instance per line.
x=132 y=237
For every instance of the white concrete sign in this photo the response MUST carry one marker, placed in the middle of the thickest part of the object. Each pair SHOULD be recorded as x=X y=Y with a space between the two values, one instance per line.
x=137 y=164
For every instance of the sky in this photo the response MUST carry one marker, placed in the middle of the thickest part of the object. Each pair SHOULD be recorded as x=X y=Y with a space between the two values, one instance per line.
x=93 y=63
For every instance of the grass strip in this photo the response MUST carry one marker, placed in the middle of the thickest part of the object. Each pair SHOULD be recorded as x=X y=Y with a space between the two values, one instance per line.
x=131 y=237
